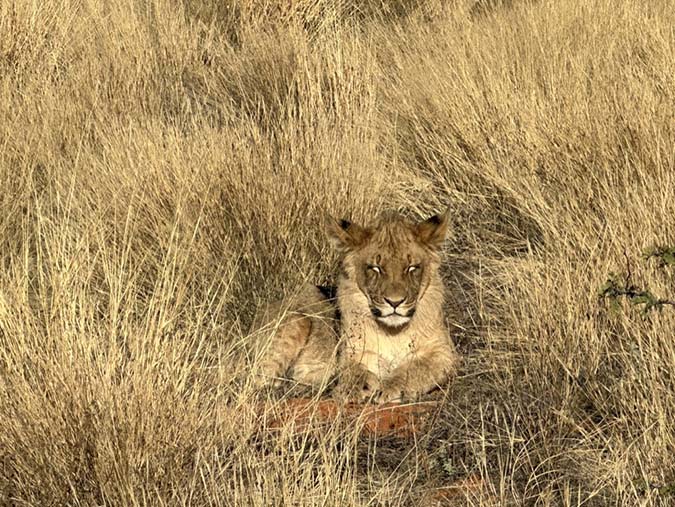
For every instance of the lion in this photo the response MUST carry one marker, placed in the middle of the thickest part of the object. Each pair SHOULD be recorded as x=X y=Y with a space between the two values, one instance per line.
x=385 y=338
x=304 y=343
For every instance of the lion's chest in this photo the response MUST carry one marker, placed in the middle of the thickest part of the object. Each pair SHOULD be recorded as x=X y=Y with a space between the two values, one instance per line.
x=379 y=352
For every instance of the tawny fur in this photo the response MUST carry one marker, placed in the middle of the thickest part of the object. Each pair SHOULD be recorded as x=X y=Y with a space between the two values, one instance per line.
x=383 y=357
x=403 y=365
x=399 y=363
x=302 y=343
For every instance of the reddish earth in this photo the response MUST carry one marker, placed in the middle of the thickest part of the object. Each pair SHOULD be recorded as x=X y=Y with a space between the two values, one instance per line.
x=401 y=420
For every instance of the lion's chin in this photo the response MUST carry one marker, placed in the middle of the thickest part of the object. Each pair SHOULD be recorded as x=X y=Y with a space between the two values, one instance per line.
x=393 y=320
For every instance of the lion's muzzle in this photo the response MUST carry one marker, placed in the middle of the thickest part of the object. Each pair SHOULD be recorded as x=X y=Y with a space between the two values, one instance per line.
x=393 y=313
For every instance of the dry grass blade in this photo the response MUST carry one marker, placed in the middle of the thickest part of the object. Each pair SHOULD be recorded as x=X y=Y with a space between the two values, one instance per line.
x=166 y=168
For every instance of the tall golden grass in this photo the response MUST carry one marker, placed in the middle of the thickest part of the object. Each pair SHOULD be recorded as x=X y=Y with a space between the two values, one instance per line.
x=167 y=166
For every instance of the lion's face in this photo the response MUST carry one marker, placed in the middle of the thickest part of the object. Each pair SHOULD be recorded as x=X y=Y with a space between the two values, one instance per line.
x=392 y=264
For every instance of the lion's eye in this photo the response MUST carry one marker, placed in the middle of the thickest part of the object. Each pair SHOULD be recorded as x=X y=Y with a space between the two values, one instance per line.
x=412 y=268
x=376 y=269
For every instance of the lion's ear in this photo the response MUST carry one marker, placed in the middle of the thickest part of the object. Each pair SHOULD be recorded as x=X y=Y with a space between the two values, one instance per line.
x=346 y=235
x=432 y=231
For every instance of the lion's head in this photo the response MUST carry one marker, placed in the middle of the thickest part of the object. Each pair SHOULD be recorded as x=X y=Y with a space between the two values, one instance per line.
x=391 y=263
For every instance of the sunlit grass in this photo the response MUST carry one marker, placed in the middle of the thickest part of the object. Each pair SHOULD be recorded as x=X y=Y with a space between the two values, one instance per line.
x=166 y=167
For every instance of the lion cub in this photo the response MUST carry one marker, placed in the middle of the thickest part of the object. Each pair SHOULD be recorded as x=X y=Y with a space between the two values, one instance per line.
x=392 y=343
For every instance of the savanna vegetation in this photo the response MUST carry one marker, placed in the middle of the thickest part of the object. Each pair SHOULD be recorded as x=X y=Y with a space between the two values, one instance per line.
x=167 y=166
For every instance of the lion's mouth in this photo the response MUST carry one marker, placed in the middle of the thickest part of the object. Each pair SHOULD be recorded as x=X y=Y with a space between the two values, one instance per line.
x=393 y=318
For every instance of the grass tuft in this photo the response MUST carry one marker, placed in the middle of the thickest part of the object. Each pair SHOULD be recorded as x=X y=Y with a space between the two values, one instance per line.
x=166 y=167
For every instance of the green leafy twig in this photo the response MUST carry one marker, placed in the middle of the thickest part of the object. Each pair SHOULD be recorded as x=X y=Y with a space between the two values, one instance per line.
x=664 y=254
x=617 y=287
x=614 y=288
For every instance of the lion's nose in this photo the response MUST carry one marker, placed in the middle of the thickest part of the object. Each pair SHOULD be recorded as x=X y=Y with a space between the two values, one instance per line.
x=394 y=302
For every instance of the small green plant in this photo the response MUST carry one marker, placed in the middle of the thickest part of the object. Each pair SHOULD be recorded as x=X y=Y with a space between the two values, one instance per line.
x=618 y=286
x=614 y=288
x=664 y=254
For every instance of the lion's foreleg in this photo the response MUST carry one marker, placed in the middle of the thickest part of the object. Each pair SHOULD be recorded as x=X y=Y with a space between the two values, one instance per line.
x=422 y=373
x=356 y=383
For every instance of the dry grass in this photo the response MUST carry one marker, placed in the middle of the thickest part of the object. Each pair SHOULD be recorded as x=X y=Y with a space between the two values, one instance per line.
x=166 y=166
